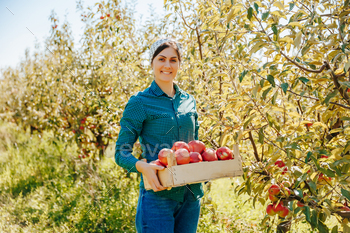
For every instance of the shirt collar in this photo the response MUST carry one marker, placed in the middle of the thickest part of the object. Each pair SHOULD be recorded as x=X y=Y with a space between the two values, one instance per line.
x=159 y=92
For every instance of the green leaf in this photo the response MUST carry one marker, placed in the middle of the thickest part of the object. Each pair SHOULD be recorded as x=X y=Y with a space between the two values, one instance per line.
x=303 y=79
x=266 y=64
x=346 y=83
x=314 y=218
x=300 y=179
x=330 y=96
x=308 y=156
x=338 y=162
x=335 y=229
x=274 y=29
x=327 y=172
x=270 y=119
x=345 y=193
x=307 y=213
x=250 y=13
x=273 y=101
x=294 y=146
x=266 y=92
x=299 y=193
x=262 y=81
x=256 y=7
x=271 y=79
x=322 y=227
x=312 y=186
x=248 y=185
x=265 y=15
x=347 y=147
x=261 y=135
x=247 y=122
x=241 y=76
x=347 y=65
x=305 y=49
x=315 y=160
x=284 y=87
x=342 y=30
x=291 y=6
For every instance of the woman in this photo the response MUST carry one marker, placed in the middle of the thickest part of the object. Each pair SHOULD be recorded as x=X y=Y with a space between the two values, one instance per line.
x=159 y=116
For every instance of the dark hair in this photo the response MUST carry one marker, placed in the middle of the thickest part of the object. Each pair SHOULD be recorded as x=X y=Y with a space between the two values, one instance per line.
x=169 y=44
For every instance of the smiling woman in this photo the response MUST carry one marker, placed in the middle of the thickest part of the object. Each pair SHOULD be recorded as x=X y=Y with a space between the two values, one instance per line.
x=159 y=116
x=165 y=63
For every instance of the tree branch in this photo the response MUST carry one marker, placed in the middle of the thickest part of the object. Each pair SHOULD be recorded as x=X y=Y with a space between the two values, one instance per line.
x=254 y=146
x=324 y=66
x=199 y=43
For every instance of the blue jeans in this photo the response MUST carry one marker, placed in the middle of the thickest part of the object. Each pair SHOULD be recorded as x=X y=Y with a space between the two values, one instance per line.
x=163 y=215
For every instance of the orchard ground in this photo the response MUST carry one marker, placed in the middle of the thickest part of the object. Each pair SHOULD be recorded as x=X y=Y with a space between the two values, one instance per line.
x=45 y=187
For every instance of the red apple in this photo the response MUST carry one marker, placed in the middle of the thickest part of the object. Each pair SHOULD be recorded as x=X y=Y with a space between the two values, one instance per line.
x=102 y=17
x=157 y=162
x=179 y=145
x=299 y=204
x=108 y=15
x=224 y=153
x=182 y=156
x=195 y=157
x=209 y=155
x=273 y=198
x=286 y=184
x=280 y=163
x=277 y=208
x=196 y=146
x=287 y=192
x=324 y=157
x=285 y=170
x=162 y=156
x=274 y=189
x=284 y=212
x=270 y=210
x=323 y=179
x=308 y=124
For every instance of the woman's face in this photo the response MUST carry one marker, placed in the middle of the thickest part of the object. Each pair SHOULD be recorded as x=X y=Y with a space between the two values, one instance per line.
x=165 y=65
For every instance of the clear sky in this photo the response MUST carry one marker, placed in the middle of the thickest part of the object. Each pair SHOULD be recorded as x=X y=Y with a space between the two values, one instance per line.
x=20 y=19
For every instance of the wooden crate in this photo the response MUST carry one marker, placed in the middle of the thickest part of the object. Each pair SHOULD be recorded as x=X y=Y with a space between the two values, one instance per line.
x=178 y=175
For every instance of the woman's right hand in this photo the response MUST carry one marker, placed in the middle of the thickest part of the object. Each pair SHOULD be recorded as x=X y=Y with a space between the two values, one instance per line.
x=149 y=171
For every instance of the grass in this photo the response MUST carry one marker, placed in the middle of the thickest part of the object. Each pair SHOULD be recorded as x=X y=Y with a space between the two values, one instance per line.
x=45 y=188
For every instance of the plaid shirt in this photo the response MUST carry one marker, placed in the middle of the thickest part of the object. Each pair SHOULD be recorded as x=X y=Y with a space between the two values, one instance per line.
x=158 y=121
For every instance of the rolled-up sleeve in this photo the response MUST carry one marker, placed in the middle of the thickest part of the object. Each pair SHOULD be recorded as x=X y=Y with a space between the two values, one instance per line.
x=131 y=127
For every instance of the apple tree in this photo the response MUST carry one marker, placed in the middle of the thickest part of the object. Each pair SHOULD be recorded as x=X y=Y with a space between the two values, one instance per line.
x=273 y=76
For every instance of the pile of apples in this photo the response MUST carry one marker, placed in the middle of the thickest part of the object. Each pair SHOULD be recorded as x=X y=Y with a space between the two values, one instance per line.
x=193 y=152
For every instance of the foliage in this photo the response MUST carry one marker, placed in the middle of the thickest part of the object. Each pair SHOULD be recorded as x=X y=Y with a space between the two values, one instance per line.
x=44 y=187
x=272 y=76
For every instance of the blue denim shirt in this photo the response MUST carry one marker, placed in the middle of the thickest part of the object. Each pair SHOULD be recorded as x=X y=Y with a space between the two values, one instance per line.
x=158 y=121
